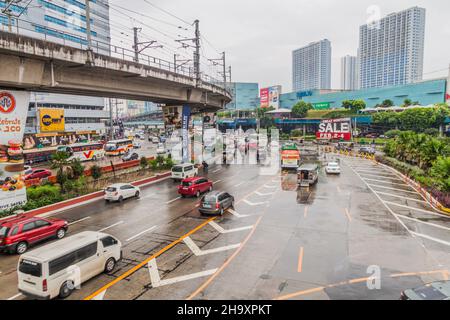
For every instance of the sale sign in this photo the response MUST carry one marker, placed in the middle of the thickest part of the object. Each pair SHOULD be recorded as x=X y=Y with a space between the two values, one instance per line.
x=264 y=94
x=335 y=129
x=13 y=116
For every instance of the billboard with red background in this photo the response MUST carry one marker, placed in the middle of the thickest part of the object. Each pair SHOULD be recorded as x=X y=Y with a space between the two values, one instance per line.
x=264 y=94
x=336 y=129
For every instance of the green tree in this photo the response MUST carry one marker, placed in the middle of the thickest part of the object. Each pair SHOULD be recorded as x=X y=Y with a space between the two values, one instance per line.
x=96 y=172
x=300 y=109
x=354 y=105
x=387 y=103
x=77 y=168
x=407 y=102
x=60 y=161
x=441 y=173
x=143 y=162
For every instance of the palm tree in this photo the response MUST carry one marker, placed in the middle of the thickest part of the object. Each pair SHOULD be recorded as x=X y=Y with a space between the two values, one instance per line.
x=60 y=161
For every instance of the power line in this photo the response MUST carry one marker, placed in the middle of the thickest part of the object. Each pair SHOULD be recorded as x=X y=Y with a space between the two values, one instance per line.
x=167 y=12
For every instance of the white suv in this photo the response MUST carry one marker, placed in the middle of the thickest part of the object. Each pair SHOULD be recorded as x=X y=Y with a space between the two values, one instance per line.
x=183 y=171
x=121 y=191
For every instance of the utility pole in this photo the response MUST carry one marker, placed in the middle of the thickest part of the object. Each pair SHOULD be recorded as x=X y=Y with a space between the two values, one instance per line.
x=148 y=44
x=135 y=47
x=88 y=24
x=224 y=71
x=197 y=52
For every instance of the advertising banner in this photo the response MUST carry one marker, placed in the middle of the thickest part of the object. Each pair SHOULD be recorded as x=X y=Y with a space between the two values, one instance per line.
x=186 y=114
x=336 y=129
x=13 y=116
x=274 y=97
x=264 y=94
x=51 y=119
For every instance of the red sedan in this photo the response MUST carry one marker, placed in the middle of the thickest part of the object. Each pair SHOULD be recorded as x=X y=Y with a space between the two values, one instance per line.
x=38 y=174
x=20 y=232
x=194 y=186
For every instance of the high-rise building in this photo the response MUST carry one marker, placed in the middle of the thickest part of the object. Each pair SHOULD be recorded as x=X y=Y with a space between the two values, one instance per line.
x=349 y=73
x=311 y=66
x=64 y=22
x=391 y=50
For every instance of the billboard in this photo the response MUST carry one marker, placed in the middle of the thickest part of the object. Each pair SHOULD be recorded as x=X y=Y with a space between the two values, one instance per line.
x=274 y=97
x=270 y=97
x=337 y=129
x=264 y=94
x=13 y=116
x=447 y=95
x=186 y=115
x=51 y=119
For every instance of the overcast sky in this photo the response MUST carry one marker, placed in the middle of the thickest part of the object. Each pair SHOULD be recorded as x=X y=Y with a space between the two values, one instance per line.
x=259 y=35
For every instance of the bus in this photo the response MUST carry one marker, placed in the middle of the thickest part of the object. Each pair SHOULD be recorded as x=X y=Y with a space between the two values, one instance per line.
x=84 y=151
x=290 y=156
x=118 y=147
x=34 y=156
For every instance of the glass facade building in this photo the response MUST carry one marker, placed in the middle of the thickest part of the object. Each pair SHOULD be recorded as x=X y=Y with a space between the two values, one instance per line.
x=424 y=92
x=311 y=66
x=245 y=96
x=391 y=50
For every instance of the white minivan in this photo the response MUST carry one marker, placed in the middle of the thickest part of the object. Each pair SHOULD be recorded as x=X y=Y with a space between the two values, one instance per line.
x=58 y=268
x=183 y=171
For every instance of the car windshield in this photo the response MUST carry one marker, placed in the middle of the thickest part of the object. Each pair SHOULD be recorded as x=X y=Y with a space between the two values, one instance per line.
x=3 y=231
x=110 y=147
x=30 y=267
x=177 y=169
x=333 y=165
x=187 y=183
x=111 y=189
x=209 y=198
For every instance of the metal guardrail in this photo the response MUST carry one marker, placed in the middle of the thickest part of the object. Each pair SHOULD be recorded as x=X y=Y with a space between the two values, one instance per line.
x=41 y=32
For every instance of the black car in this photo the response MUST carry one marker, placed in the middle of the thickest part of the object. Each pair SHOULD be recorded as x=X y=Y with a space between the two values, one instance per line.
x=130 y=157
x=216 y=202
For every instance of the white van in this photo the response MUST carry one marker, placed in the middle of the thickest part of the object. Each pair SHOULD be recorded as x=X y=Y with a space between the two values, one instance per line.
x=58 y=268
x=183 y=171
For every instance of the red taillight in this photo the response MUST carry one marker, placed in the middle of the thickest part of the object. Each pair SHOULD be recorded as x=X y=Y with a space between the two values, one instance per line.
x=44 y=285
x=217 y=205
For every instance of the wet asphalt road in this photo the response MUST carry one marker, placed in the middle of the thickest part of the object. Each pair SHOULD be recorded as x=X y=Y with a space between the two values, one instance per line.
x=279 y=243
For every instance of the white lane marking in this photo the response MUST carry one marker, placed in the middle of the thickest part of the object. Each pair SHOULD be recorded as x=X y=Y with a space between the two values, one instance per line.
x=394 y=189
x=77 y=221
x=173 y=200
x=199 y=252
x=111 y=226
x=141 y=233
x=379 y=173
x=383 y=181
x=239 y=184
x=264 y=194
x=270 y=187
x=379 y=176
x=215 y=171
x=431 y=238
x=255 y=203
x=237 y=215
x=424 y=222
x=157 y=282
x=400 y=197
x=417 y=209
x=218 y=181
x=100 y=296
x=223 y=231
x=15 y=296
